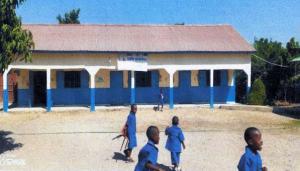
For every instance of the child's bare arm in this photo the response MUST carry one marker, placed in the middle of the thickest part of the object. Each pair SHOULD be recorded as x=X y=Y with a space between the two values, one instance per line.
x=183 y=145
x=153 y=167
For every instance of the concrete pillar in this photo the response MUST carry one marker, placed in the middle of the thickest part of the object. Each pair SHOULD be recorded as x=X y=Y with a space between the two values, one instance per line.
x=49 y=99
x=231 y=87
x=132 y=88
x=171 y=91
x=248 y=83
x=247 y=70
x=211 y=89
x=5 y=91
x=92 y=93
x=92 y=70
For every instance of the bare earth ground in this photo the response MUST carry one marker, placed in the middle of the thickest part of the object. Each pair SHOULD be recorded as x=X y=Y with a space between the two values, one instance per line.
x=81 y=141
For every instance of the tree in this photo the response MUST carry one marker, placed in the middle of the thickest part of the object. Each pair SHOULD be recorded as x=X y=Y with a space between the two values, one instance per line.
x=293 y=47
x=273 y=76
x=71 y=17
x=277 y=79
x=257 y=95
x=15 y=43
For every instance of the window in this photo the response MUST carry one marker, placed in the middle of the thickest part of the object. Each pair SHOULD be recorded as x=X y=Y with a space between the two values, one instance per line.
x=217 y=78
x=143 y=79
x=72 y=79
x=207 y=78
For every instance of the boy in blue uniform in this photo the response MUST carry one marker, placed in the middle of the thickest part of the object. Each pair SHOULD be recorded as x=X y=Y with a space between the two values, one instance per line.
x=251 y=160
x=131 y=132
x=161 y=101
x=148 y=154
x=174 y=141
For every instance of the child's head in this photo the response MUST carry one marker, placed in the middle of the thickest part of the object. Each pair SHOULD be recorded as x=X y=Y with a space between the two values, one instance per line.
x=153 y=134
x=175 y=120
x=133 y=108
x=253 y=138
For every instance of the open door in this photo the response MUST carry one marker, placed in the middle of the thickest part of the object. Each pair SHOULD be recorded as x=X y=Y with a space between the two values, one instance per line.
x=39 y=88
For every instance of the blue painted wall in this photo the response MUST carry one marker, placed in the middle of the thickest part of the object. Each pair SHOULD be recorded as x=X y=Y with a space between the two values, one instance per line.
x=185 y=93
x=117 y=95
x=71 y=96
x=25 y=96
x=149 y=94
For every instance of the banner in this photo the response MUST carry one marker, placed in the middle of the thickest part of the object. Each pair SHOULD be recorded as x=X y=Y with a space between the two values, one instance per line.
x=132 y=63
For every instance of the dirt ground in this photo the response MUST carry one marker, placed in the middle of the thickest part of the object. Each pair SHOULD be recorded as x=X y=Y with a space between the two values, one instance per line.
x=82 y=141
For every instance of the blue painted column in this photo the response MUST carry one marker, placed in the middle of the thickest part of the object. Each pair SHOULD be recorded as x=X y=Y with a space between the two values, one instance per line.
x=5 y=100
x=5 y=92
x=92 y=90
x=171 y=96
x=211 y=99
x=248 y=89
x=49 y=99
x=132 y=88
x=92 y=99
x=231 y=87
x=92 y=70
x=171 y=91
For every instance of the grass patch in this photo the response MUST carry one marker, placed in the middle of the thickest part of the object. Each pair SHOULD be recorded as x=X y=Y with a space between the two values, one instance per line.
x=294 y=123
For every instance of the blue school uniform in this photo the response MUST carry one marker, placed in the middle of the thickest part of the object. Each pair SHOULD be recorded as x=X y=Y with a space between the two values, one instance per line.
x=175 y=137
x=131 y=128
x=161 y=99
x=147 y=154
x=250 y=161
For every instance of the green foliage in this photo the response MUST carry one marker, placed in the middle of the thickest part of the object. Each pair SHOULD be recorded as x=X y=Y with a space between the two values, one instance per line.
x=257 y=95
x=71 y=17
x=276 y=78
x=295 y=78
x=293 y=47
x=15 y=43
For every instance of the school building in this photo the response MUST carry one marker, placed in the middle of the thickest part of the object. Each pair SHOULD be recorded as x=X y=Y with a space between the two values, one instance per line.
x=123 y=64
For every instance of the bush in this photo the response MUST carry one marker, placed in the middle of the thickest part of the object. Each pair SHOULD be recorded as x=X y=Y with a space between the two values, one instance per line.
x=257 y=95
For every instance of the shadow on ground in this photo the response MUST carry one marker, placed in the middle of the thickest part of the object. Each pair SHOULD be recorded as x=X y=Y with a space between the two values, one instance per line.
x=166 y=168
x=7 y=143
x=289 y=111
x=119 y=156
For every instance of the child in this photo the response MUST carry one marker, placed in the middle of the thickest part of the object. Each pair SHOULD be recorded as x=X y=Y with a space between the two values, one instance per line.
x=161 y=101
x=148 y=154
x=131 y=132
x=251 y=160
x=175 y=139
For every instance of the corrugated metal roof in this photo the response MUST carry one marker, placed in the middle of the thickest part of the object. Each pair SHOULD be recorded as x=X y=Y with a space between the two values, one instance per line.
x=138 y=38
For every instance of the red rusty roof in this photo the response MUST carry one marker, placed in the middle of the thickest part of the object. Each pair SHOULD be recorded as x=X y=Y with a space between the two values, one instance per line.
x=138 y=38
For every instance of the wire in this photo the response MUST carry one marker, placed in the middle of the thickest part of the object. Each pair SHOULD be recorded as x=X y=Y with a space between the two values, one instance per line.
x=269 y=62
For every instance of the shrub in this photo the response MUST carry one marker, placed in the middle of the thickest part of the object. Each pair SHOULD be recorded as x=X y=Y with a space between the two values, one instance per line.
x=257 y=95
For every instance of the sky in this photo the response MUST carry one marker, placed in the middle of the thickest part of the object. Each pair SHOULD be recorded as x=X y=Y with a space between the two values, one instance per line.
x=275 y=19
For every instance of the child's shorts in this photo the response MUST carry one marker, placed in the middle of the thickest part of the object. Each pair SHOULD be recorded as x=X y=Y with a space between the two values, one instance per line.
x=175 y=158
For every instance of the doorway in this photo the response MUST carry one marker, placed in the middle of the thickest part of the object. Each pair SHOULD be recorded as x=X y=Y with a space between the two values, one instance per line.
x=39 y=88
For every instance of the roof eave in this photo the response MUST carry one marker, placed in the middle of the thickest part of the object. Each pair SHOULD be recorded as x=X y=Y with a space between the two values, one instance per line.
x=92 y=51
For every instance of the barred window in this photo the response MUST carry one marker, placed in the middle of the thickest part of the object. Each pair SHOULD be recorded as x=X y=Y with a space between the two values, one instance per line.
x=72 y=79
x=143 y=79
x=217 y=78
